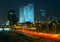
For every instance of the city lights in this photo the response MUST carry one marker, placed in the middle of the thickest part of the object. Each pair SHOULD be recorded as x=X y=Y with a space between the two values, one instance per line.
x=29 y=21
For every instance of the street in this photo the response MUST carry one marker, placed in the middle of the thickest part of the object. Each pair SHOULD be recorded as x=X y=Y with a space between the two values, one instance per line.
x=21 y=37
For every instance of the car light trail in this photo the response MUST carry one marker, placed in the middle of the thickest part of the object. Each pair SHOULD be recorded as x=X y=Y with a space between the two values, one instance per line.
x=44 y=35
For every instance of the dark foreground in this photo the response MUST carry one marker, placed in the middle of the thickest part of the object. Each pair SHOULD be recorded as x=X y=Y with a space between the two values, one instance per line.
x=19 y=37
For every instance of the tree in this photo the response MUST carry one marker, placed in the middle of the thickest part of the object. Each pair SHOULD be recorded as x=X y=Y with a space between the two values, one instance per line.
x=28 y=23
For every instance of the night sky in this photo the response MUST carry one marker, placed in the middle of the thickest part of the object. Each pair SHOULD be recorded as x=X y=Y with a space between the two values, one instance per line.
x=52 y=7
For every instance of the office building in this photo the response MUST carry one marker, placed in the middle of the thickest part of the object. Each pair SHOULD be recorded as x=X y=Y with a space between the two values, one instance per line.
x=26 y=14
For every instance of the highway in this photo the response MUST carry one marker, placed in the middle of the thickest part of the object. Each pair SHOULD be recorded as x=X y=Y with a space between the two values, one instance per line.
x=22 y=37
x=43 y=35
x=28 y=36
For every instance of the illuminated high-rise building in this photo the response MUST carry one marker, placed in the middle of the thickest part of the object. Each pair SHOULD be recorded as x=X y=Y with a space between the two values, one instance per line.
x=43 y=15
x=26 y=14
x=21 y=16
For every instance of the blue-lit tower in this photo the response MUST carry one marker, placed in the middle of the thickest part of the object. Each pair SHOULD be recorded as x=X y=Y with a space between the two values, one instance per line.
x=26 y=14
x=21 y=15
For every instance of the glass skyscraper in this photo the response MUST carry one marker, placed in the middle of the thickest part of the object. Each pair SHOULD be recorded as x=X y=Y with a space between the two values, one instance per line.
x=26 y=14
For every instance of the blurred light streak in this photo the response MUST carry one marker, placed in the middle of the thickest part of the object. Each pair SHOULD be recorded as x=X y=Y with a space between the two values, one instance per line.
x=44 y=35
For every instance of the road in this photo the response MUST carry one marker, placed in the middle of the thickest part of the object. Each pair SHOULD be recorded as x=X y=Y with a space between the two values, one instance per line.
x=22 y=37
x=43 y=35
x=14 y=37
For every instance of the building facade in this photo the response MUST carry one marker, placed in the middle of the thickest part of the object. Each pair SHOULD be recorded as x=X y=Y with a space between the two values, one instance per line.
x=43 y=15
x=12 y=17
x=26 y=14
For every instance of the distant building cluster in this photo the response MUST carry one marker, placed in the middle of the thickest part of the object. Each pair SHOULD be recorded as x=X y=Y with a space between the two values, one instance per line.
x=27 y=19
x=27 y=14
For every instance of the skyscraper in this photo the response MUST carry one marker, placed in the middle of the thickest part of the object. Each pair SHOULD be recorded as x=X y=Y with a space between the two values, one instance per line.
x=12 y=17
x=43 y=15
x=26 y=14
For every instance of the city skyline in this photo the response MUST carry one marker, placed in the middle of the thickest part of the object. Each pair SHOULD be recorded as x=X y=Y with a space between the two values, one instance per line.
x=52 y=7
